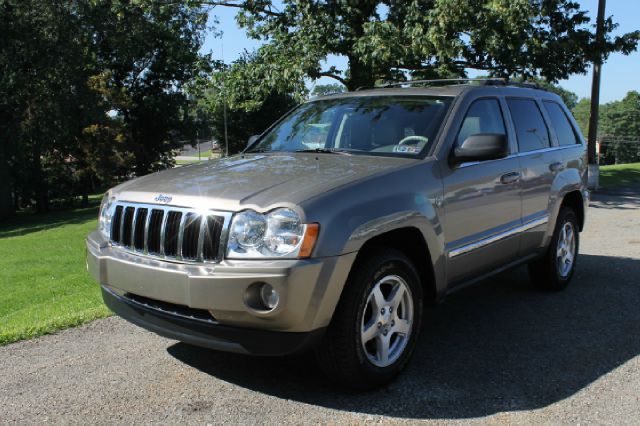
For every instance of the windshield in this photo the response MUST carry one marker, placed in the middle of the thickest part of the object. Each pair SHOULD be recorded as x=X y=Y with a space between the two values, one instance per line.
x=384 y=125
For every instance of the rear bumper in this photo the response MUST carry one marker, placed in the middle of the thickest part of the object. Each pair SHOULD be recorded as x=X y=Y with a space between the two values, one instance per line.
x=210 y=334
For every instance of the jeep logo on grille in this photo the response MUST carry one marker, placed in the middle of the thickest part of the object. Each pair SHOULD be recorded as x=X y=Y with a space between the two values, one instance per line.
x=163 y=198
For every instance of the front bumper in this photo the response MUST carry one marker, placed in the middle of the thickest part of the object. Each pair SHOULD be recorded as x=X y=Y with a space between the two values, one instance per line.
x=309 y=289
x=209 y=334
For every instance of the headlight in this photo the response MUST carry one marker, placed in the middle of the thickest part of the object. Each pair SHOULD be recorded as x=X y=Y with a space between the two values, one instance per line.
x=279 y=233
x=284 y=232
x=248 y=229
x=106 y=212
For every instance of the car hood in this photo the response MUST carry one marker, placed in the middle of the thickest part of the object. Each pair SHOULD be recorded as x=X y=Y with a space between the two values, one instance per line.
x=255 y=181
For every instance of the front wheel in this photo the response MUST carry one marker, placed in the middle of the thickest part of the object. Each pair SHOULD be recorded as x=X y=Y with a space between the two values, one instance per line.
x=554 y=271
x=376 y=323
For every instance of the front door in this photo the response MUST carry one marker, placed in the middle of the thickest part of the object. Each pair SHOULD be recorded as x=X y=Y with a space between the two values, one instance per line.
x=481 y=200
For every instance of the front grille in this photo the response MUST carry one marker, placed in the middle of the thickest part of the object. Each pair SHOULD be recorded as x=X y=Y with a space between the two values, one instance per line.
x=169 y=232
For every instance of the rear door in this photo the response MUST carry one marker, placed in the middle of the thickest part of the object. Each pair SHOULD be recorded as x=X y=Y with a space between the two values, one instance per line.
x=539 y=164
x=481 y=199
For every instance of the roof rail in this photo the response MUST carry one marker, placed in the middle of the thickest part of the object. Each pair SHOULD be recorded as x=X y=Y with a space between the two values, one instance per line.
x=487 y=81
x=490 y=81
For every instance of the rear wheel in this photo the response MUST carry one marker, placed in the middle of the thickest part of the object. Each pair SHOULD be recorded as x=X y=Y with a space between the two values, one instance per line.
x=555 y=269
x=376 y=323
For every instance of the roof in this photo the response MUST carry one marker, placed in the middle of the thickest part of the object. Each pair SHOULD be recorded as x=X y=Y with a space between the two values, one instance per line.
x=453 y=90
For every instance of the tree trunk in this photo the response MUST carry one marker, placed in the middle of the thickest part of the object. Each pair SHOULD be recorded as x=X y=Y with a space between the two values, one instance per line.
x=85 y=199
x=359 y=74
x=6 y=201
x=86 y=186
x=39 y=181
x=142 y=165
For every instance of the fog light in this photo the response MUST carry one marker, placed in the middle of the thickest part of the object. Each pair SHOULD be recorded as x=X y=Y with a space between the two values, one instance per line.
x=269 y=296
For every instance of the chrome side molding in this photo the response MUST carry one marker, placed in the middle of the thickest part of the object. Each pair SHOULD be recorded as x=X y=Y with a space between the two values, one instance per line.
x=500 y=236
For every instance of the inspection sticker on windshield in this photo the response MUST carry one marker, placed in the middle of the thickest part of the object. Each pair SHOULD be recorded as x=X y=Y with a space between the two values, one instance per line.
x=405 y=148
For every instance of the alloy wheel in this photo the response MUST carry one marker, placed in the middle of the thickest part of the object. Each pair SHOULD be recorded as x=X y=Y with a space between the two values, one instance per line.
x=387 y=321
x=566 y=250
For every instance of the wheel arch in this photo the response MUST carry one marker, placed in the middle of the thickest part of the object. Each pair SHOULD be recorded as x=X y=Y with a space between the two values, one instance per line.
x=409 y=241
x=573 y=199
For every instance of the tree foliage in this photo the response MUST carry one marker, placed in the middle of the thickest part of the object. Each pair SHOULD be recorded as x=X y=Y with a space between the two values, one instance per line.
x=581 y=112
x=327 y=89
x=569 y=98
x=619 y=119
x=618 y=124
x=619 y=129
x=243 y=123
x=399 y=39
x=91 y=91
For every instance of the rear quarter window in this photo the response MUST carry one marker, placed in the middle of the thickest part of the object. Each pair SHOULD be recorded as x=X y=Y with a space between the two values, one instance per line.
x=531 y=129
x=560 y=122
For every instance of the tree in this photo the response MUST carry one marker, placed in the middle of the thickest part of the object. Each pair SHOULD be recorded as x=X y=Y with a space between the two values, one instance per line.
x=569 y=98
x=622 y=118
x=397 y=39
x=249 y=112
x=327 y=89
x=90 y=90
x=619 y=121
x=42 y=72
x=147 y=52
x=242 y=123
x=618 y=118
x=581 y=112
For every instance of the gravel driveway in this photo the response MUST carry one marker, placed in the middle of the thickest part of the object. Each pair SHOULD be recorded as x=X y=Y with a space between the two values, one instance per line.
x=499 y=352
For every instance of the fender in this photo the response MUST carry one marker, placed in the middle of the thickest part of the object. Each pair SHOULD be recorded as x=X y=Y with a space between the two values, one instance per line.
x=405 y=198
x=569 y=180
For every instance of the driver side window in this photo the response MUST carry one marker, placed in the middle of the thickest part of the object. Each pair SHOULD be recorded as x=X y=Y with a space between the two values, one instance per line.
x=483 y=116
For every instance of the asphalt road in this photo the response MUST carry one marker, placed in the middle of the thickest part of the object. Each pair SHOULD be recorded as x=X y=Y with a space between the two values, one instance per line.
x=496 y=353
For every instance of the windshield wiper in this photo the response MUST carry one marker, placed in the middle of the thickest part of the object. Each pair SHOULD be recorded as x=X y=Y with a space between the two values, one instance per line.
x=324 y=151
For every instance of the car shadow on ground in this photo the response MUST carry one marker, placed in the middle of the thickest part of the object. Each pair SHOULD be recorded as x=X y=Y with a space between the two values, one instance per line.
x=498 y=346
x=622 y=198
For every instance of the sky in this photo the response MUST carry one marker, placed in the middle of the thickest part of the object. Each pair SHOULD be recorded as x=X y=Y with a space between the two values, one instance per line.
x=620 y=73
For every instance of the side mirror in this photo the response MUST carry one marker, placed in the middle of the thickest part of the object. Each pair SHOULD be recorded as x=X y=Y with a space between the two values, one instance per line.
x=482 y=146
x=252 y=139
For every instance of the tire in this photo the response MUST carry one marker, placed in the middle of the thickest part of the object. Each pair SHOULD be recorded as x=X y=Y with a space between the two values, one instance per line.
x=342 y=355
x=552 y=272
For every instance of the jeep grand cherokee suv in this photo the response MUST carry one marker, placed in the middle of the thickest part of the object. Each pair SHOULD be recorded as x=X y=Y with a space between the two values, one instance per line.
x=337 y=225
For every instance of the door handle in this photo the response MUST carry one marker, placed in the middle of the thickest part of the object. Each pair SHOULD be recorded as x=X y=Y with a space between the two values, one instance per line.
x=510 y=177
x=556 y=167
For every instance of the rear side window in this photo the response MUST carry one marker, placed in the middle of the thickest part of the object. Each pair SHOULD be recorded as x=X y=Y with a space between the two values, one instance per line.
x=560 y=122
x=484 y=116
x=530 y=127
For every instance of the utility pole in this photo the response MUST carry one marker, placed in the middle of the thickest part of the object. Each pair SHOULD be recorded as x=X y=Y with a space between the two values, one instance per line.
x=224 y=105
x=595 y=101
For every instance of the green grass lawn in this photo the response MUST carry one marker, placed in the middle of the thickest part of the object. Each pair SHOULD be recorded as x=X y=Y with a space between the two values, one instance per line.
x=204 y=157
x=185 y=162
x=43 y=279
x=619 y=175
x=203 y=154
